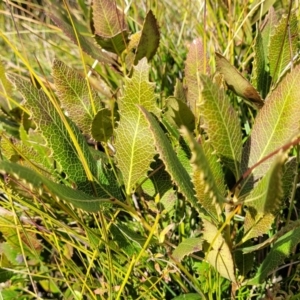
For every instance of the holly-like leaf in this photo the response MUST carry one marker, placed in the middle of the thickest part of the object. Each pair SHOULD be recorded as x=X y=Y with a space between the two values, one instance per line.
x=102 y=126
x=196 y=63
x=40 y=183
x=222 y=125
x=219 y=255
x=134 y=145
x=173 y=166
x=80 y=101
x=149 y=40
x=237 y=82
x=188 y=246
x=283 y=45
x=276 y=123
x=281 y=249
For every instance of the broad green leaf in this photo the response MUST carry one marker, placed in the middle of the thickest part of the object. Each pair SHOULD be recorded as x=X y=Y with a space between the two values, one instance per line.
x=283 y=45
x=59 y=138
x=276 y=123
x=87 y=45
x=282 y=248
x=196 y=63
x=288 y=177
x=5 y=275
x=207 y=191
x=149 y=40
x=264 y=201
x=102 y=125
x=219 y=255
x=40 y=183
x=134 y=145
x=188 y=246
x=173 y=166
x=222 y=125
x=261 y=75
x=5 y=90
x=178 y=114
x=237 y=82
x=80 y=102
x=110 y=25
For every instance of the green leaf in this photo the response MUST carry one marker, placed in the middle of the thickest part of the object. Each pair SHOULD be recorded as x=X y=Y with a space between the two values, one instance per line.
x=173 y=166
x=149 y=40
x=282 y=248
x=222 y=125
x=64 y=138
x=135 y=149
x=275 y=124
x=264 y=201
x=188 y=246
x=110 y=26
x=207 y=191
x=288 y=177
x=219 y=255
x=34 y=180
x=237 y=82
x=5 y=90
x=178 y=114
x=261 y=9
x=5 y=275
x=283 y=45
x=87 y=45
x=196 y=63
x=189 y=296
x=80 y=101
x=102 y=126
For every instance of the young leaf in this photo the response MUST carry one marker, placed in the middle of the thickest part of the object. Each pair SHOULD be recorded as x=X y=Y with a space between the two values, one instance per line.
x=276 y=123
x=282 y=248
x=222 y=125
x=219 y=255
x=173 y=166
x=56 y=132
x=237 y=82
x=135 y=149
x=149 y=40
x=188 y=246
x=283 y=45
x=196 y=63
x=207 y=191
x=34 y=180
x=73 y=93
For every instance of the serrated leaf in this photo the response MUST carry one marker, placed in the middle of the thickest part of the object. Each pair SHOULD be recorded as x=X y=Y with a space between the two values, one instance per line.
x=78 y=198
x=102 y=125
x=110 y=26
x=207 y=192
x=219 y=255
x=283 y=45
x=196 y=63
x=135 y=149
x=78 y=100
x=237 y=82
x=282 y=248
x=173 y=166
x=55 y=130
x=178 y=114
x=222 y=125
x=275 y=124
x=87 y=45
x=188 y=246
x=149 y=40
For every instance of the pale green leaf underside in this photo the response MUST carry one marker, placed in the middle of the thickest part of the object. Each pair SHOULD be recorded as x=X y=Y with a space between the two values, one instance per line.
x=276 y=123
x=78 y=100
x=173 y=166
x=283 y=45
x=41 y=183
x=188 y=246
x=222 y=125
x=134 y=145
x=282 y=248
x=219 y=255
